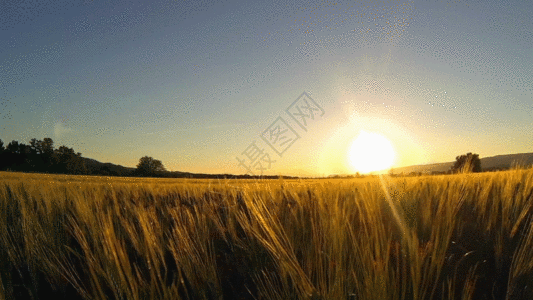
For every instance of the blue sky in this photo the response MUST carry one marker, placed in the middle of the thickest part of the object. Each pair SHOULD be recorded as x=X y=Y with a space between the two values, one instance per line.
x=194 y=83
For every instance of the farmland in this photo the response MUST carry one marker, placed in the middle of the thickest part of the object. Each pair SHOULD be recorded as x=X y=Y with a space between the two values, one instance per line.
x=464 y=236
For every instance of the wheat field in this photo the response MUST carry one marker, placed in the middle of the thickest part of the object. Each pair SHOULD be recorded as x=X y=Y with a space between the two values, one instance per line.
x=465 y=236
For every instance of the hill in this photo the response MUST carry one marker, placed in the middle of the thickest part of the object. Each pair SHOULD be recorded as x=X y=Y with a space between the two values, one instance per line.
x=498 y=162
x=96 y=167
x=109 y=169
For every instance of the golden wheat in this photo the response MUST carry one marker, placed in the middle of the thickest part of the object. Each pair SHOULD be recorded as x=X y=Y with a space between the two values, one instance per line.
x=462 y=236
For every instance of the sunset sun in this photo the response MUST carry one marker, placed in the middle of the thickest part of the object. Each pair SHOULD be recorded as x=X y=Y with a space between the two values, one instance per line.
x=371 y=152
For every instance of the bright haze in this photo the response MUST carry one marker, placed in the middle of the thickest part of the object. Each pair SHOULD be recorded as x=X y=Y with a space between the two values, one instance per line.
x=196 y=83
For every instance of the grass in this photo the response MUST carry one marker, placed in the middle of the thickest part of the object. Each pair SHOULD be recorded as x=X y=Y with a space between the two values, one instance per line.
x=465 y=236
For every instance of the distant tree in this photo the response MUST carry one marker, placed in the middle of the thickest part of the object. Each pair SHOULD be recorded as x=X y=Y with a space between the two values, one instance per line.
x=66 y=160
x=24 y=149
x=13 y=147
x=47 y=146
x=35 y=146
x=466 y=163
x=14 y=156
x=41 y=156
x=3 y=156
x=35 y=159
x=149 y=166
x=47 y=151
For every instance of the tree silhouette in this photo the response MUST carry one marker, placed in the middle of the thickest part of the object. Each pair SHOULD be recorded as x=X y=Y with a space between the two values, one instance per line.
x=67 y=160
x=42 y=157
x=13 y=147
x=3 y=156
x=467 y=163
x=47 y=146
x=35 y=146
x=149 y=166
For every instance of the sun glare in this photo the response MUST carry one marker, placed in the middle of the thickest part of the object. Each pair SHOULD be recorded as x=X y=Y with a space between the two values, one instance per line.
x=371 y=152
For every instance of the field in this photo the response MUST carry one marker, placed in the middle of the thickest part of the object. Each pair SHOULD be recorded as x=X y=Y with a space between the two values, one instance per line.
x=462 y=236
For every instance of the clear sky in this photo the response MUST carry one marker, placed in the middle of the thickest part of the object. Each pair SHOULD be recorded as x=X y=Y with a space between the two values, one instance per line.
x=194 y=83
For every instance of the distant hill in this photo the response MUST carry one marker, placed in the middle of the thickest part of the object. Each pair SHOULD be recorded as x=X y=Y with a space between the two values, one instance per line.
x=507 y=161
x=501 y=162
x=109 y=169
x=96 y=167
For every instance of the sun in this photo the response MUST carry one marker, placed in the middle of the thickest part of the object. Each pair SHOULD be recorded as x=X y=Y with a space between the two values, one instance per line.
x=371 y=152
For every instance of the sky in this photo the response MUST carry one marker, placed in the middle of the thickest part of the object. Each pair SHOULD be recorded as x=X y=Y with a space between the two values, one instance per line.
x=266 y=86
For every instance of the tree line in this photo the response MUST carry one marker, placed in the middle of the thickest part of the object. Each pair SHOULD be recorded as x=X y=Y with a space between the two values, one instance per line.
x=40 y=156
